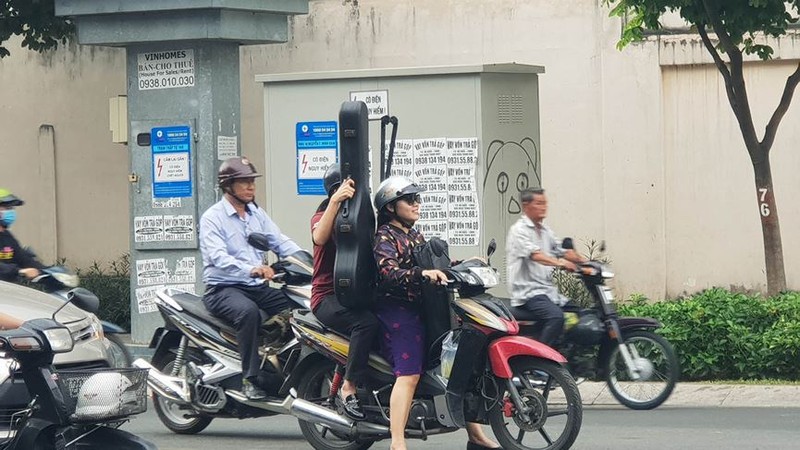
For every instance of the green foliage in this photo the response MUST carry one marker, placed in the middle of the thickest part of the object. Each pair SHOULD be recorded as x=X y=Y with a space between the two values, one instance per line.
x=742 y=20
x=571 y=286
x=36 y=22
x=112 y=286
x=724 y=335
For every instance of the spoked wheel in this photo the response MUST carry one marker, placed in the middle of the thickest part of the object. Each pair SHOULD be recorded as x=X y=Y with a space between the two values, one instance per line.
x=120 y=355
x=551 y=414
x=314 y=386
x=657 y=367
x=179 y=419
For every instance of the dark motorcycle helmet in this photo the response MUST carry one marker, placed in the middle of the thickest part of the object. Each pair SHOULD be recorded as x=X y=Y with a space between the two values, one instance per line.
x=588 y=331
x=8 y=199
x=235 y=168
x=332 y=179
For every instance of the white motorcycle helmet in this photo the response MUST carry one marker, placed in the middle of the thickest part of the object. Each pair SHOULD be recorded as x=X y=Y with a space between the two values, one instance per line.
x=104 y=395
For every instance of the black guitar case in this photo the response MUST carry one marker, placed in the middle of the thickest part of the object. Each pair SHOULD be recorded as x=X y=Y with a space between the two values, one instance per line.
x=355 y=270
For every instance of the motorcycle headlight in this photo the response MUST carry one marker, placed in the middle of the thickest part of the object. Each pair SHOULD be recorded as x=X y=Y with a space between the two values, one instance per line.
x=97 y=327
x=487 y=275
x=67 y=279
x=60 y=339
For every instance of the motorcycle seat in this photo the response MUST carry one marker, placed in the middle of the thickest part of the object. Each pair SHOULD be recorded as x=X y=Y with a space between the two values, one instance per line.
x=193 y=305
x=306 y=317
x=523 y=315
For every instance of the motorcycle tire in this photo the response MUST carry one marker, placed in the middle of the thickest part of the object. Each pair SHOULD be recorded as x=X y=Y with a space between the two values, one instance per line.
x=120 y=355
x=314 y=386
x=659 y=365
x=174 y=416
x=550 y=392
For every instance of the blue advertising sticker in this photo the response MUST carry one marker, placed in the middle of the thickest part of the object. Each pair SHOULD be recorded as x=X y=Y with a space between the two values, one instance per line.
x=317 y=148
x=171 y=148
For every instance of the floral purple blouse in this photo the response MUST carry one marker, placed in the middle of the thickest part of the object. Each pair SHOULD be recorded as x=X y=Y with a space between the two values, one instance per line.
x=399 y=279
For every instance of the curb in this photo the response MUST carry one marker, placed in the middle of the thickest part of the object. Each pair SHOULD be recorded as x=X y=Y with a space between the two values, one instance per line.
x=707 y=395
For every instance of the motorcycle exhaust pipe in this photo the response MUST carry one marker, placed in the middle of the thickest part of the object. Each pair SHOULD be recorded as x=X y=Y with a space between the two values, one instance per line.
x=310 y=412
x=164 y=385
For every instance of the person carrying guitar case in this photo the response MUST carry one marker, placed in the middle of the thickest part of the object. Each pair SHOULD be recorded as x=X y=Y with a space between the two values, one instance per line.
x=360 y=324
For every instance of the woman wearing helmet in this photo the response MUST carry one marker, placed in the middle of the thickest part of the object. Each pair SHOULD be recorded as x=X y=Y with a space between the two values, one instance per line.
x=398 y=307
x=14 y=260
x=361 y=325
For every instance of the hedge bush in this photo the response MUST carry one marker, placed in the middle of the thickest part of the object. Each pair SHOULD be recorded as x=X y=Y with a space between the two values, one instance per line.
x=112 y=286
x=725 y=335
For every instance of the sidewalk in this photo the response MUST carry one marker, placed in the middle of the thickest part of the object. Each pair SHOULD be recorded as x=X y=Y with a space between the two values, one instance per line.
x=685 y=394
x=708 y=395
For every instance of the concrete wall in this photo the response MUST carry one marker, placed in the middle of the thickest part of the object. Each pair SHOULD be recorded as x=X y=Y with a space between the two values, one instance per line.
x=57 y=153
x=639 y=147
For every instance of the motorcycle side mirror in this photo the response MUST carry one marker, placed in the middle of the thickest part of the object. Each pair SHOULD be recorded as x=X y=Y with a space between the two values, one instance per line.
x=259 y=241
x=83 y=299
x=492 y=248
x=567 y=244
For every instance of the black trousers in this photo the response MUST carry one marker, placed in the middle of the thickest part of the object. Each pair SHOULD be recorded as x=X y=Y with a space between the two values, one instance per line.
x=239 y=305
x=361 y=325
x=549 y=315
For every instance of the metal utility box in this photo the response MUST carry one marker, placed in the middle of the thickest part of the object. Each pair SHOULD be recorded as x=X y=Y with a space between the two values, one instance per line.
x=470 y=134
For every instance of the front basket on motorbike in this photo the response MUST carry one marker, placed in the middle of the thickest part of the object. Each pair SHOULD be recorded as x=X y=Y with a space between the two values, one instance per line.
x=102 y=395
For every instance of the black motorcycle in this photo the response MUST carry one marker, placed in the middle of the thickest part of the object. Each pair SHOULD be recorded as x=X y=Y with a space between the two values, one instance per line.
x=196 y=371
x=70 y=409
x=639 y=366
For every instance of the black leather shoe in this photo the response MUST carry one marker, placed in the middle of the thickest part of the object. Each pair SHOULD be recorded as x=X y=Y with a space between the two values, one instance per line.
x=352 y=408
x=251 y=391
x=474 y=446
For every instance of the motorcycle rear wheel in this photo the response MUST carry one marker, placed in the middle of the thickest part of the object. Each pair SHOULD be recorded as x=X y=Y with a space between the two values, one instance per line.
x=659 y=365
x=314 y=386
x=555 y=402
x=173 y=416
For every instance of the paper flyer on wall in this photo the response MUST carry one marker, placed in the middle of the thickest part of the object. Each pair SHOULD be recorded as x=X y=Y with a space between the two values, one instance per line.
x=403 y=160
x=144 y=298
x=430 y=164
x=462 y=152
x=148 y=228
x=179 y=228
x=184 y=271
x=151 y=271
x=464 y=225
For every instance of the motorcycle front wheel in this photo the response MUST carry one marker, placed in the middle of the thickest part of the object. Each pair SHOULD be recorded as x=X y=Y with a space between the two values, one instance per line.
x=314 y=386
x=553 y=403
x=656 y=364
x=179 y=419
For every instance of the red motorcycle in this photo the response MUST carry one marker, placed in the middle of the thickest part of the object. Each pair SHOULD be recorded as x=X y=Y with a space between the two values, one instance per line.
x=514 y=383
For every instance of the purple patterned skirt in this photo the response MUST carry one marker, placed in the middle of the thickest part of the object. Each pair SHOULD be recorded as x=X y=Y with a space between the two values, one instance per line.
x=403 y=343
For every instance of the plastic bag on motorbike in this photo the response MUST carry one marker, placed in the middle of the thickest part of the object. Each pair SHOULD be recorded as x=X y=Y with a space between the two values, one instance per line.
x=449 y=349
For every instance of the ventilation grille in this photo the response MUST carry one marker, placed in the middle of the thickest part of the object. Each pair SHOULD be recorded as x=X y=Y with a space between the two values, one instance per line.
x=509 y=109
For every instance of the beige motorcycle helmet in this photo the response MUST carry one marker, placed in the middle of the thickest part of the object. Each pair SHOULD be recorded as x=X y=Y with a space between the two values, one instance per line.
x=104 y=395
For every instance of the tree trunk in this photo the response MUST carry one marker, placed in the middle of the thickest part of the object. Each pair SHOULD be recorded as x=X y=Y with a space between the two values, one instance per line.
x=770 y=226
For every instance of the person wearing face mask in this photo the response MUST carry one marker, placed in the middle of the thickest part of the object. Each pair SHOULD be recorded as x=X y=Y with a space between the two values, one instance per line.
x=14 y=260
x=398 y=305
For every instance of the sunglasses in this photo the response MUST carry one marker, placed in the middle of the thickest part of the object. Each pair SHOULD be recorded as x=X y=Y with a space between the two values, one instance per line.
x=412 y=198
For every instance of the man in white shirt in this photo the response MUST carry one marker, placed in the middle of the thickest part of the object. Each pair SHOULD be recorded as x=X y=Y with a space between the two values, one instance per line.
x=532 y=254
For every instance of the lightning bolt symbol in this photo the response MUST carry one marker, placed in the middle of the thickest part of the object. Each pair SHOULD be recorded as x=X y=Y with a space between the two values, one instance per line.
x=159 y=165
x=304 y=163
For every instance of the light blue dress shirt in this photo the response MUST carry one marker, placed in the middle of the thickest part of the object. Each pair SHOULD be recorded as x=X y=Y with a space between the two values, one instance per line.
x=227 y=257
